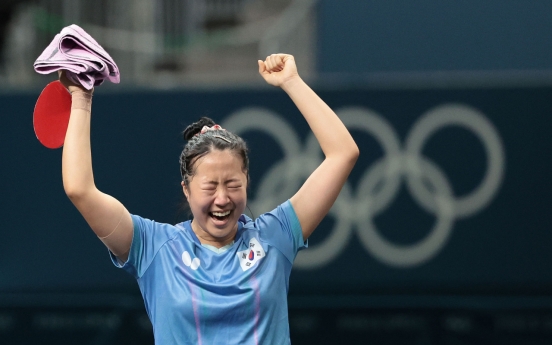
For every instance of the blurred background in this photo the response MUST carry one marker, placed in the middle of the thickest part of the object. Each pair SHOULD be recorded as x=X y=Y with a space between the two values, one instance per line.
x=441 y=234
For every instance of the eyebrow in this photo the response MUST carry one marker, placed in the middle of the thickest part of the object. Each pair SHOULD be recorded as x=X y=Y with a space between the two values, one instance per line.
x=216 y=182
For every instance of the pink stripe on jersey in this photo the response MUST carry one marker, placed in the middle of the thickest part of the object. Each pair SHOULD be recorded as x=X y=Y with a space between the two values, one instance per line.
x=196 y=313
x=257 y=307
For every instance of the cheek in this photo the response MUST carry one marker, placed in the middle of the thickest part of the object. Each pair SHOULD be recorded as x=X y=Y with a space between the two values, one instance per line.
x=199 y=202
x=239 y=197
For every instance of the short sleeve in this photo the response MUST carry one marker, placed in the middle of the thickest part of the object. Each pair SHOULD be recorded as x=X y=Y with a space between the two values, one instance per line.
x=148 y=238
x=281 y=229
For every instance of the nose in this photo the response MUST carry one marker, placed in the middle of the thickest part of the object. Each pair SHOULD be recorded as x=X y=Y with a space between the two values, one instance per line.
x=221 y=198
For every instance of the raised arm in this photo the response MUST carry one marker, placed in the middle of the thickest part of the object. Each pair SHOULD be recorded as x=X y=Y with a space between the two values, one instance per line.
x=107 y=217
x=317 y=195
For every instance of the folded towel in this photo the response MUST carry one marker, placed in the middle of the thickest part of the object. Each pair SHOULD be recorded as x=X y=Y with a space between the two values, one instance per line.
x=85 y=61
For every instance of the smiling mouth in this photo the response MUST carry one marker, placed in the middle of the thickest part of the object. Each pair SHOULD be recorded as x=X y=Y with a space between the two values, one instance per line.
x=220 y=215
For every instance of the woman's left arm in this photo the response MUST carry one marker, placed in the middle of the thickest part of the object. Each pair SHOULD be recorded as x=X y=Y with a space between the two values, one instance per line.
x=317 y=195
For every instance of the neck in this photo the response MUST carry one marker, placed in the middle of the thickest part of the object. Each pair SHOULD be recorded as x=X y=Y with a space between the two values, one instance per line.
x=217 y=242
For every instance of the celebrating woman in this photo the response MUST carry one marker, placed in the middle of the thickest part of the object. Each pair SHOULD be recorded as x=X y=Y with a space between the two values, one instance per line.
x=221 y=277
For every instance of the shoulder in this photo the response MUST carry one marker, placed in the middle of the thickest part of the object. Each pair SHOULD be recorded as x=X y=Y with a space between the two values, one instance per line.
x=283 y=213
x=159 y=230
x=283 y=216
x=151 y=238
x=279 y=228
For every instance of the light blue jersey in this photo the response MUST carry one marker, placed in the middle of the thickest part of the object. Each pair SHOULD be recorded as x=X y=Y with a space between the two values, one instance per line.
x=196 y=296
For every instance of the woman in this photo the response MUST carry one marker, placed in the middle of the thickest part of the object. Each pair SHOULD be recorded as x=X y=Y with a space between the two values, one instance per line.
x=220 y=278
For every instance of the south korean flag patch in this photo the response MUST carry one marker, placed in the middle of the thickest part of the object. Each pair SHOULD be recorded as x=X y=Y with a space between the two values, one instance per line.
x=250 y=256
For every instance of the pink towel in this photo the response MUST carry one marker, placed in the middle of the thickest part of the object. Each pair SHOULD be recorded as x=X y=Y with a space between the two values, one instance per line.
x=86 y=62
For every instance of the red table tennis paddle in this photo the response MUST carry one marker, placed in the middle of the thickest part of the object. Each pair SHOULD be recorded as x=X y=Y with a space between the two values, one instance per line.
x=51 y=115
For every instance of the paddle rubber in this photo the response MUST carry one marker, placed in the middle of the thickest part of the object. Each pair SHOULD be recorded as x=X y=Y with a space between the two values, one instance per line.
x=51 y=115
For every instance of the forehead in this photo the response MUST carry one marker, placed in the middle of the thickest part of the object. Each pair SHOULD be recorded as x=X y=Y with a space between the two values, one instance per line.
x=218 y=163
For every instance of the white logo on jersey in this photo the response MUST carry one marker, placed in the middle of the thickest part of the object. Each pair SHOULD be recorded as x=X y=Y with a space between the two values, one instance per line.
x=250 y=256
x=187 y=259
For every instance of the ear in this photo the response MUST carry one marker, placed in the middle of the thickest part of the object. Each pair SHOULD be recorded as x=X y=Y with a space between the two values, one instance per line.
x=185 y=189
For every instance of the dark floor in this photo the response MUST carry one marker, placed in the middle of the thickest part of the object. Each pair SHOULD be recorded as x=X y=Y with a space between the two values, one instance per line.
x=97 y=323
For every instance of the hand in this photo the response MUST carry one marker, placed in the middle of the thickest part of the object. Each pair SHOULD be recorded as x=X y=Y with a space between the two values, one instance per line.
x=278 y=69
x=69 y=85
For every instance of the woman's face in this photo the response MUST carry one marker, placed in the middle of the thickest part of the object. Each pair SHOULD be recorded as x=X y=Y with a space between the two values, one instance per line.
x=217 y=196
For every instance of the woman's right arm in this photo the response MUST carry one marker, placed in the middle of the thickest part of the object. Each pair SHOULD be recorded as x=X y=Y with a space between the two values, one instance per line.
x=107 y=217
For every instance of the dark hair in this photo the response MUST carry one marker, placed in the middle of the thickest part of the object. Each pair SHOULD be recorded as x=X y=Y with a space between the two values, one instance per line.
x=199 y=144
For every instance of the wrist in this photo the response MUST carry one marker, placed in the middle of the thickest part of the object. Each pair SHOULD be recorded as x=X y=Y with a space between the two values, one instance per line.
x=291 y=83
x=81 y=99
x=77 y=88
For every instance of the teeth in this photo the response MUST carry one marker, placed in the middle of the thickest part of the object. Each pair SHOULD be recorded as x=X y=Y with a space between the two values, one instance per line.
x=221 y=214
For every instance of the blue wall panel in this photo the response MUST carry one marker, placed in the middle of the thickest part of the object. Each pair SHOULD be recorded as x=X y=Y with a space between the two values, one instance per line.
x=501 y=246
x=359 y=37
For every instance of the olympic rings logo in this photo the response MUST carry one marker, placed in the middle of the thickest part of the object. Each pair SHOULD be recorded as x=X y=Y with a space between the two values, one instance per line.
x=378 y=186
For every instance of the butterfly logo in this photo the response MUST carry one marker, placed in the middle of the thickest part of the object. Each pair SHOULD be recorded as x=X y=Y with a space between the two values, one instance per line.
x=187 y=259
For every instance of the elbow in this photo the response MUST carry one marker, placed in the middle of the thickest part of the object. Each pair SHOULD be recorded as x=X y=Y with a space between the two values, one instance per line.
x=346 y=156
x=353 y=153
x=75 y=192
